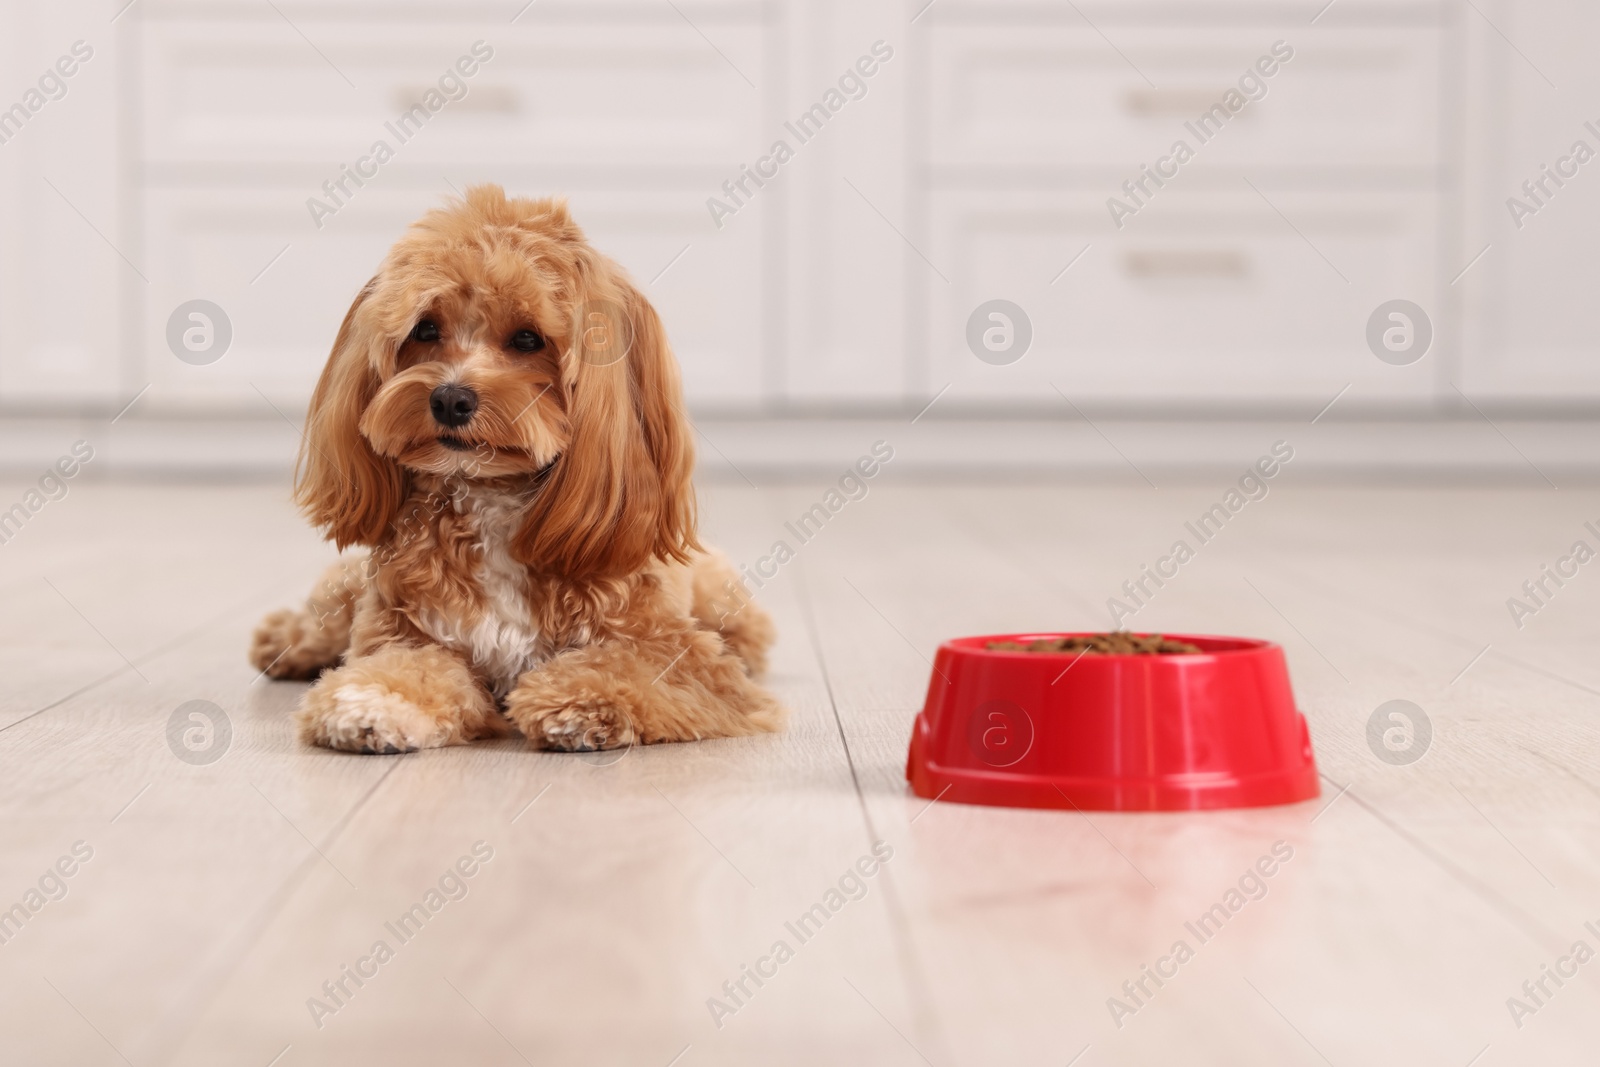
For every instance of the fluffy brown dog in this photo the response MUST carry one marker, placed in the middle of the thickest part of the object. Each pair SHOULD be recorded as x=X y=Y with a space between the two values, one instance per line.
x=500 y=421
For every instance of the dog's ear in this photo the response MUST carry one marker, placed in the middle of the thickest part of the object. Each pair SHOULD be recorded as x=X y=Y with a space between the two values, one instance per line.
x=340 y=482
x=621 y=492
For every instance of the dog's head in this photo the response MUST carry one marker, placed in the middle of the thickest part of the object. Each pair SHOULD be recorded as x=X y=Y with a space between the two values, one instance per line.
x=494 y=342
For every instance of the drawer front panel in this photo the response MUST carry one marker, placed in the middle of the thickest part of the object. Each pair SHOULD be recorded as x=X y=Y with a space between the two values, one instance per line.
x=1215 y=298
x=639 y=97
x=1063 y=99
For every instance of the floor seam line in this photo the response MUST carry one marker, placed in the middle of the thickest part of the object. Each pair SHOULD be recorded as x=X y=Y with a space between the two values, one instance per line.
x=1488 y=895
x=171 y=646
x=900 y=922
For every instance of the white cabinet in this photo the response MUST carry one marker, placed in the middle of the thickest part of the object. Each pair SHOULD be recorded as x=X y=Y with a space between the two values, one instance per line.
x=66 y=258
x=1213 y=299
x=975 y=162
x=632 y=112
x=844 y=205
x=1533 y=337
x=1240 y=269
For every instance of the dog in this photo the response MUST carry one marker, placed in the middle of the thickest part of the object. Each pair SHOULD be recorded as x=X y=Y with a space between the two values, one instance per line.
x=501 y=423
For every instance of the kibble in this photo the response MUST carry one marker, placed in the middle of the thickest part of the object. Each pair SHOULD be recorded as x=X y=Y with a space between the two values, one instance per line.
x=1120 y=643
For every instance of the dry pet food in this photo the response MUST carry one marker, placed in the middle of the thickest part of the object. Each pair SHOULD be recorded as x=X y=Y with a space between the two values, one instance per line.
x=1120 y=643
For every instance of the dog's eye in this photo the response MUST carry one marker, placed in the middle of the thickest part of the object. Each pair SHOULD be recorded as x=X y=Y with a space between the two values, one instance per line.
x=526 y=341
x=427 y=330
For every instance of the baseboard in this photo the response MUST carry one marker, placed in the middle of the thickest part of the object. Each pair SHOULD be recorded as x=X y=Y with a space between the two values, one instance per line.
x=1536 y=452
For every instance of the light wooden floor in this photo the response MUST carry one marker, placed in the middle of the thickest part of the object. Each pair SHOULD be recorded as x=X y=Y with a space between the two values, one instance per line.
x=219 y=898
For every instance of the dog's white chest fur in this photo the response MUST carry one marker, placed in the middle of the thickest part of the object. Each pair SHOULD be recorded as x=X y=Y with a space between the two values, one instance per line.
x=501 y=642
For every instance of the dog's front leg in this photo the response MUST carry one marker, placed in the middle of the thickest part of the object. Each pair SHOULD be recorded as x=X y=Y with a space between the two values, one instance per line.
x=302 y=643
x=398 y=698
x=678 y=683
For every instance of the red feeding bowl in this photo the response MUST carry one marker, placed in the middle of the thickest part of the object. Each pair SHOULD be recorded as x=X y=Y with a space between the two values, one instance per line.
x=1171 y=732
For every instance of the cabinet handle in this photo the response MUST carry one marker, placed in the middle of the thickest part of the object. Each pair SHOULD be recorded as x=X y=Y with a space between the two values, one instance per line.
x=1148 y=103
x=1158 y=263
x=483 y=99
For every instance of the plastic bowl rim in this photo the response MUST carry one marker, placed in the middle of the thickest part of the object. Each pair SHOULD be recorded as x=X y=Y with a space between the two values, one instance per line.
x=1253 y=645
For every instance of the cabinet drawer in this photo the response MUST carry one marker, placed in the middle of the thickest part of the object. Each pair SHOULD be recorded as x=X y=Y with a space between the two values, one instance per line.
x=1062 y=100
x=642 y=97
x=1211 y=297
x=215 y=245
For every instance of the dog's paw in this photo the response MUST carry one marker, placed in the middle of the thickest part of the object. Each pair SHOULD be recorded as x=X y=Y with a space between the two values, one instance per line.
x=368 y=718
x=282 y=647
x=582 y=728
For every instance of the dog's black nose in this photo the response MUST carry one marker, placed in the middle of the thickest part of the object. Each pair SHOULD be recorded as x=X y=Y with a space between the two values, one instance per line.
x=452 y=405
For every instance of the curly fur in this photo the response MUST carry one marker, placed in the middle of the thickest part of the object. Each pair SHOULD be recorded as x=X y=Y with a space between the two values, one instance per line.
x=538 y=563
